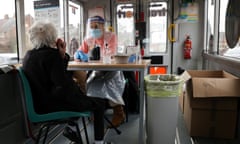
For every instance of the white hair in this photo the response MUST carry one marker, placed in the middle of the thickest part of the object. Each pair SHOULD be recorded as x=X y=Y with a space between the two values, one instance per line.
x=43 y=34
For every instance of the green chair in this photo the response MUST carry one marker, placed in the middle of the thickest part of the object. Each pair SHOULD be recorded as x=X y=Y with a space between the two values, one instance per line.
x=49 y=119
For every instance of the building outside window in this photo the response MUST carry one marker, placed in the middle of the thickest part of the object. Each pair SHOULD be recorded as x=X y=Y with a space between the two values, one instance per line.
x=8 y=39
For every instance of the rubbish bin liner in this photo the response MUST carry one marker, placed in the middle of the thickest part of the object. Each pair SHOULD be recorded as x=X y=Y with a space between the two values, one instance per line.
x=163 y=85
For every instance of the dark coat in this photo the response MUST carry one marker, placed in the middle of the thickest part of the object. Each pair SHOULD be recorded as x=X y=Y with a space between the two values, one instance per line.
x=49 y=80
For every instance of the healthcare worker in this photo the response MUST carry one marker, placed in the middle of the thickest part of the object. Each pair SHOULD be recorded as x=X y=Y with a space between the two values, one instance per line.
x=97 y=36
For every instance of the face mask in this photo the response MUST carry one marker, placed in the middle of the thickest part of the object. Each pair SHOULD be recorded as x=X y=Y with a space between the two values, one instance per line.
x=96 y=33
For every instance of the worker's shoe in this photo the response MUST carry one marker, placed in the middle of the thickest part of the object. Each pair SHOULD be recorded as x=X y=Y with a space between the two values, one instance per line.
x=118 y=116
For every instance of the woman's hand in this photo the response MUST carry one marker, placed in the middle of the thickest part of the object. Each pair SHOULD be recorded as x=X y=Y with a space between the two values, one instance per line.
x=61 y=45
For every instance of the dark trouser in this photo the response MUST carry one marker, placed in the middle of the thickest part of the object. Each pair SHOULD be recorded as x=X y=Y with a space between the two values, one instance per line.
x=96 y=105
x=77 y=101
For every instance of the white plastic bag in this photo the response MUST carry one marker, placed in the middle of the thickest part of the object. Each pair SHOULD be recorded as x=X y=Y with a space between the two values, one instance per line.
x=106 y=84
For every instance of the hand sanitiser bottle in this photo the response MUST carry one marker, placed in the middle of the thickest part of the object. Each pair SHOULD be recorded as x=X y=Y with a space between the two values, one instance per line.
x=106 y=55
x=138 y=53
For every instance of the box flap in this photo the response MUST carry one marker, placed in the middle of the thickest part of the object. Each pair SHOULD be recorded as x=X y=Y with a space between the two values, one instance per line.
x=215 y=87
x=206 y=73
x=212 y=83
x=185 y=76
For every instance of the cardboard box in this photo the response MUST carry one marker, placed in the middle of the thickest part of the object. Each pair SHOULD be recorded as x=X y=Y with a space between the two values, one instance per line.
x=210 y=103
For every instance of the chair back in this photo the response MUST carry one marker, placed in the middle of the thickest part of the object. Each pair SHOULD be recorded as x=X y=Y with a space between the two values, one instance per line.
x=35 y=117
x=27 y=96
x=48 y=119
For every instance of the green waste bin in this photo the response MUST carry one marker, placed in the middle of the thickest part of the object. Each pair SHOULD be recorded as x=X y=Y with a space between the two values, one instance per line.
x=162 y=107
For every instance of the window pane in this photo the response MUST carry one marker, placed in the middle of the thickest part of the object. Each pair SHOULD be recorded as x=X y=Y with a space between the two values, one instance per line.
x=35 y=10
x=75 y=24
x=210 y=23
x=125 y=25
x=8 y=41
x=222 y=39
x=223 y=47
x=210 y=16
x=158 y=27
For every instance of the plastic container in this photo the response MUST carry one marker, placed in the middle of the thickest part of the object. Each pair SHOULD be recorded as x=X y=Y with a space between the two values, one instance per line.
x=162 y=107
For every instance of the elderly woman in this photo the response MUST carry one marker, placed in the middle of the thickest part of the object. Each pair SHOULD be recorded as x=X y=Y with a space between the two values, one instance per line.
x=53 y=89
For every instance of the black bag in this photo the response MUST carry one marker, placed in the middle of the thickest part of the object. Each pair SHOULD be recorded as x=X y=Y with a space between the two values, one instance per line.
x=131 y=94
x=95 y=53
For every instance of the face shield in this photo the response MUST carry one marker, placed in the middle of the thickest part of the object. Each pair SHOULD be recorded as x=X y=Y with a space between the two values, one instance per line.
x=94 y=31
x=95 y=27
x=96 y=36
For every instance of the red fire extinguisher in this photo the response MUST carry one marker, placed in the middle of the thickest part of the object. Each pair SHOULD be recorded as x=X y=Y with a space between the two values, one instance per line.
x=187 y=47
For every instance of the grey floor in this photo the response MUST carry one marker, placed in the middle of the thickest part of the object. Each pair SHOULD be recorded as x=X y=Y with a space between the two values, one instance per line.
x=129 y=134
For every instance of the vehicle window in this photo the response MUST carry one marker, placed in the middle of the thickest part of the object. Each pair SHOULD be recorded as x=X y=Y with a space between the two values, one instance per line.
x=125 y=26
x=224 y=49
x=210 y=25
x=75 y=26
x=222 y=45
x=43 y=10
x=157 y=27
x=8 y=40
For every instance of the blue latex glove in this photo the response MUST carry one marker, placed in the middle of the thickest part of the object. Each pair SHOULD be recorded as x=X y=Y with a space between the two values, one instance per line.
x=81 y=56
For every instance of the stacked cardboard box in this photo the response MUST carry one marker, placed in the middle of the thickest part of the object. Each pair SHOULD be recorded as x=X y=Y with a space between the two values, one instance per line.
x=210 y=103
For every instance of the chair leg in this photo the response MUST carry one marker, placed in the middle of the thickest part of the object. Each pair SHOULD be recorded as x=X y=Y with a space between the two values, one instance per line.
x=79 y=133
x=85 y=129
x=117 y=130
x=30 y=131
x=46 y=134
x=39 y=135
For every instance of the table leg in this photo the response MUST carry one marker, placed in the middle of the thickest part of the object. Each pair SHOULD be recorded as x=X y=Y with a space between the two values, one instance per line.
x=142 y=138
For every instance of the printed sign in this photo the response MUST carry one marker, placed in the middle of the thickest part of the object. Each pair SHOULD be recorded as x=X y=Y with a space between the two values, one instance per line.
x=189 y=12
x=48 y=10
